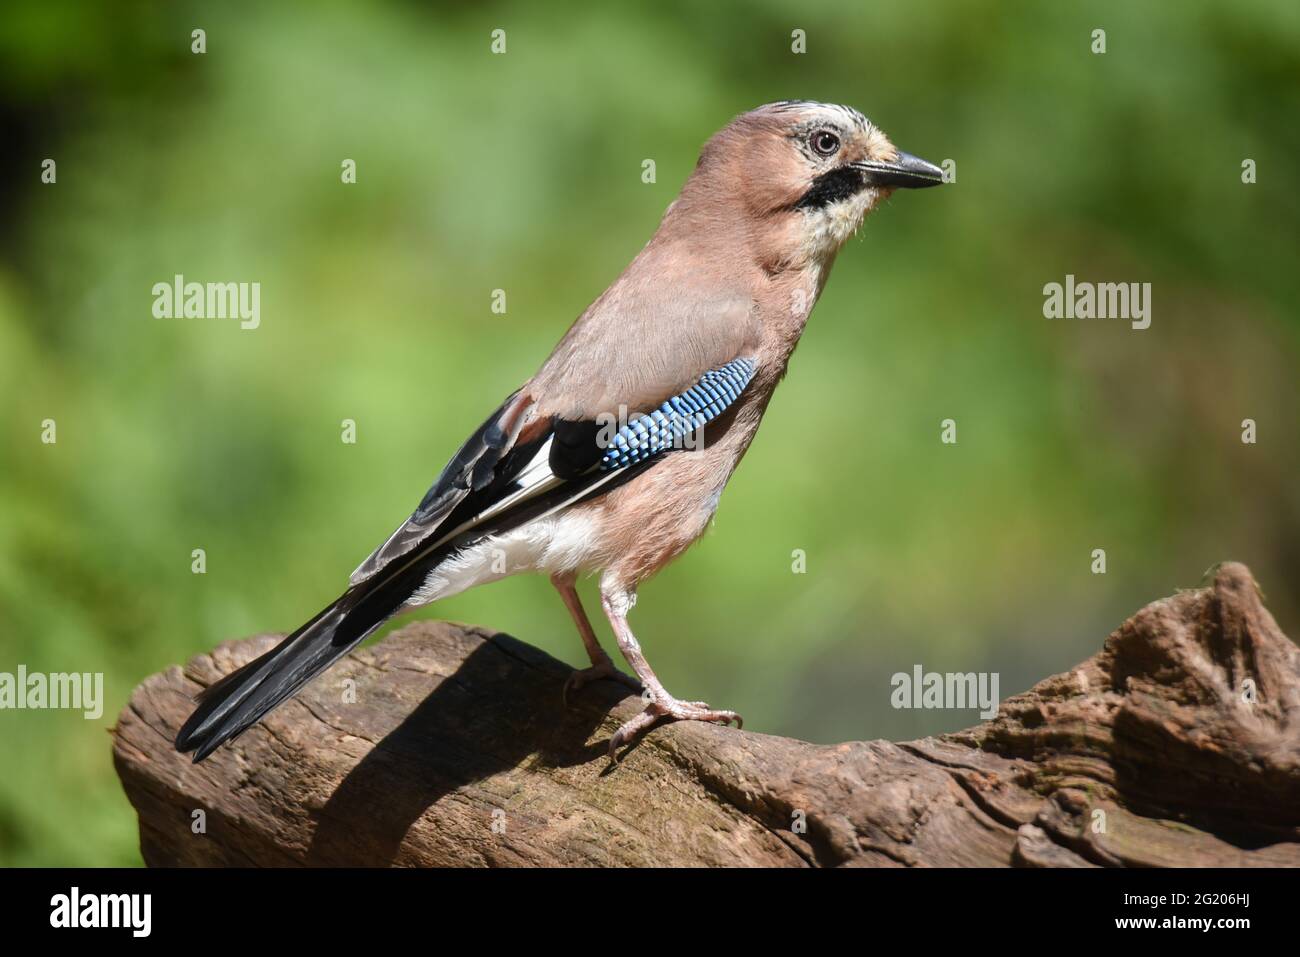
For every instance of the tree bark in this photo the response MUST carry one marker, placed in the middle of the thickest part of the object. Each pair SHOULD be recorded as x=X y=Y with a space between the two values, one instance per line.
x=1176 y=744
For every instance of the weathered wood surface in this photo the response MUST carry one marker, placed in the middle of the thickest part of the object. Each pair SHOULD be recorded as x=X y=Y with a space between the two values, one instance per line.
x=1177 y=744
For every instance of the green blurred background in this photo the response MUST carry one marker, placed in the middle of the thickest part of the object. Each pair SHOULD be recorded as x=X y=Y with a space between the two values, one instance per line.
x=523 y=172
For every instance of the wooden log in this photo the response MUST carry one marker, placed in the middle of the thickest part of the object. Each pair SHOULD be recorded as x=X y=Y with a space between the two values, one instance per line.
x=1176 y=744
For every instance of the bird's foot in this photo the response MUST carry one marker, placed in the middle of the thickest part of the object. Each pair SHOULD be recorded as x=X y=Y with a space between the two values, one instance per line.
x=673 y=709
x=600 y=669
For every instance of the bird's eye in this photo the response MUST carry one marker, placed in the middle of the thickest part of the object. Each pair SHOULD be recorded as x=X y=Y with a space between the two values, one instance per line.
x=825 y=142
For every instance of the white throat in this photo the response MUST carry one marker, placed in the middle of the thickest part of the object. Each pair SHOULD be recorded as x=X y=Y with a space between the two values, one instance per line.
x=830 y=227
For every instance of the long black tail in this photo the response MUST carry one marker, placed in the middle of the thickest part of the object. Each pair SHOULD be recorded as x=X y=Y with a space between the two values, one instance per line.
x=241 y=698
x=522 y=488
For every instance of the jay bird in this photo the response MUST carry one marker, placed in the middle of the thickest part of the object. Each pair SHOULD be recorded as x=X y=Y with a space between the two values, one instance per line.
x=612 y=458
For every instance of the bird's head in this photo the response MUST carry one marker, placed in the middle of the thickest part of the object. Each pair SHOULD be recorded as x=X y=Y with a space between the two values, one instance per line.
x=807 y=174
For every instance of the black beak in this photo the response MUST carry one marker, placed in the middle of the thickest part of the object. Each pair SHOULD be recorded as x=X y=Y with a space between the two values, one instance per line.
x=907 y=172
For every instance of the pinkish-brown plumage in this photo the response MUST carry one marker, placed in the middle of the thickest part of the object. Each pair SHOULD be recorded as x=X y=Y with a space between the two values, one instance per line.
x=731 y=271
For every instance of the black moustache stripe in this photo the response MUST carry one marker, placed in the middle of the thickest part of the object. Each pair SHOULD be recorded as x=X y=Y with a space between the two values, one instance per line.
x=831 y=187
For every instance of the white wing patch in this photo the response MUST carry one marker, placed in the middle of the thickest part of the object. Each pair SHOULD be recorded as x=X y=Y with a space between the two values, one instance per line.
x=534 y=479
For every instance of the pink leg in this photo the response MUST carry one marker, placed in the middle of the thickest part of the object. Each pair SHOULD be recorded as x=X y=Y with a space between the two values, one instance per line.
x=660 y=703
x=601 y=666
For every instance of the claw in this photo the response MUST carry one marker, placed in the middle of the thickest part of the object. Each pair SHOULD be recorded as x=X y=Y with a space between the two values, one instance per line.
x=629 y=730
x=670 y=708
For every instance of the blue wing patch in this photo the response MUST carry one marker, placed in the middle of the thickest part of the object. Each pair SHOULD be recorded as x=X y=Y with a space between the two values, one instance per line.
x=668 y=425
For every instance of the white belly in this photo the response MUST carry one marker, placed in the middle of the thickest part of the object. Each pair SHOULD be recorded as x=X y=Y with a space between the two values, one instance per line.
x=555 y=544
